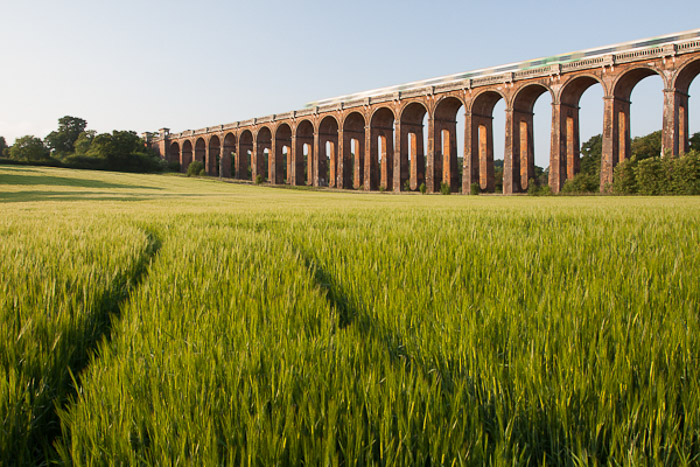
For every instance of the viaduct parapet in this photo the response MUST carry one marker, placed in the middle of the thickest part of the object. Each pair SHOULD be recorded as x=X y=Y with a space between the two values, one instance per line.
x=375 y=140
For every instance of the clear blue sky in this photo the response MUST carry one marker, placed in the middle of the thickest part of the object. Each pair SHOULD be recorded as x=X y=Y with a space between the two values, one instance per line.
x=141 y=65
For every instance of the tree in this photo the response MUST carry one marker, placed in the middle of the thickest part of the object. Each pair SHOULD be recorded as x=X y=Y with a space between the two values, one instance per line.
x=84 y=141
x=63 y=140
x=591 y=154
x=695 y=142
x=120 y=150
x=647 y=146
x=28 y=148
x=3 y=146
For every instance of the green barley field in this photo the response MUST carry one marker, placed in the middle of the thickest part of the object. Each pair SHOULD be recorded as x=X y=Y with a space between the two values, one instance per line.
x=157 y=319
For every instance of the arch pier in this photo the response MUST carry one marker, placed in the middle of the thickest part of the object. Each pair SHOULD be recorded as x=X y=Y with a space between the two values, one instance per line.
x=402 y=136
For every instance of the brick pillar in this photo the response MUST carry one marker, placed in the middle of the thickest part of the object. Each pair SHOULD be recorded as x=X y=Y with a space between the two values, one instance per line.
x=431 y=169
x=387 y=156
x=674 y=138
x=572 y=143
x=446 y=170
x=237 y=160
x=254 y=159
x=470 y=166
x=292 y=163
x=615 y=137
x=557 y=154
x=511 y=158
x=272 y=162
x=455 y=175
x=417 y=169
x=315 y=159
x=371 y=170
x=358 y=172
x=340 y=164
x=526 y=148
x=310 y=161
x=397 y=158
x=224 y=163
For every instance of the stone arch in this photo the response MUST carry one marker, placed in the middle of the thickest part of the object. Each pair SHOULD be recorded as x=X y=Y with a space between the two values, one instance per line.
x=616 y=121
x=228 y=154
x=572 y=89
x=445 y=167
x=565 y=157
x=352 y=172
x=379 y=160
x=174 y=152
x=186 y=155
x=412 y=148
x=200 y=151
x=624 y=83
x=262 y=163
x=304 y=152
x=327 y=159
x=245 y=157
x=283 y=154
x=479 y=165
x=676 y=109
x=213 y=156
x=519 y=162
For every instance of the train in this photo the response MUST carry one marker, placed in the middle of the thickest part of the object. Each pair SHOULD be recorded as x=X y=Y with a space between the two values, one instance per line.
x=512 y=67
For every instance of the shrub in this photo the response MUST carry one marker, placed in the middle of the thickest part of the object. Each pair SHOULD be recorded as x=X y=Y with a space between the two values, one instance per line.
x=545 y=190
x=445 y=188
x=195 y=168
x=422 y=188
x=684 y=174
x=624 y=178
x=582 y=183
x=532 y=188
x=259 y=179
x=382 y=189
x=474 y=188
x=652 y=177
x=407 y=185
x=173 y=166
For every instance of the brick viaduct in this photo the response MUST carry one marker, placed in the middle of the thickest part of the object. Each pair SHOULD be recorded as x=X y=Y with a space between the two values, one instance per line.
x=376 y=141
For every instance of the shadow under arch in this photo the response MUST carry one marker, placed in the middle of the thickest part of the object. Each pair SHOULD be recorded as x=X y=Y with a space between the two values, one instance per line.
x=228 y=155
x=352 y=171
x=327 y=157
x=213 y=156
x=381 y=150
x=186 y=155
x=565 y=157
x=281 y=173
x=245 y=156
x=304 y=153
x=519 y=160
x=411 y=166
x=261 y=155
x=445 y=139
x=478 y=166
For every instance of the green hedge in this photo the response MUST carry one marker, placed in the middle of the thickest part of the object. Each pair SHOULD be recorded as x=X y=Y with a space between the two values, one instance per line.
x=659 y=176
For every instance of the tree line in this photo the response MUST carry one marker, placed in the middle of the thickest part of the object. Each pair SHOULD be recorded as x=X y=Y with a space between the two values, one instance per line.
x=73 y=145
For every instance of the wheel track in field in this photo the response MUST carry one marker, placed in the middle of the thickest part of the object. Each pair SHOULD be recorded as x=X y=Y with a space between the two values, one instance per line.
x=431 y=368
x=349 y=313
x=109 y=306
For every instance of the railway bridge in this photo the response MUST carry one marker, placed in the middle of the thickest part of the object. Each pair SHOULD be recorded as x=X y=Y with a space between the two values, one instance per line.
x=376 y=139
